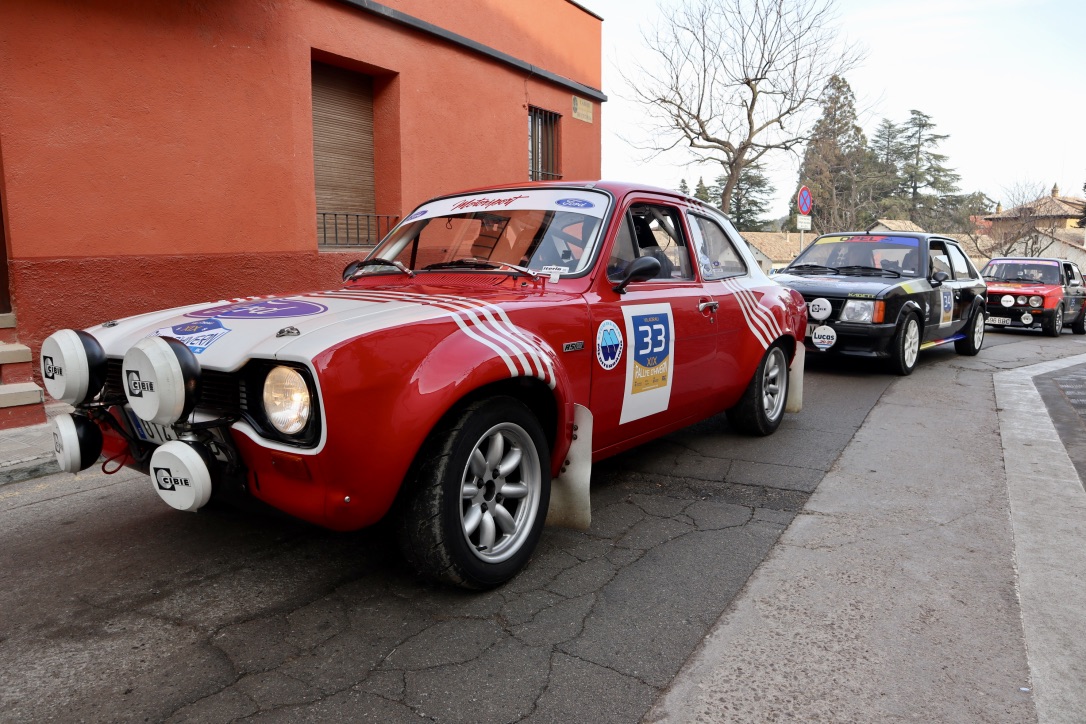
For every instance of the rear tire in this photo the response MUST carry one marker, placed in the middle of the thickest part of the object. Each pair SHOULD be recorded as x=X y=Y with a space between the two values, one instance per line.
x=906 y=346
x=974 y=335
x=761 y=408
x=1079 y=325
x=1053 y=327
x=477 y=495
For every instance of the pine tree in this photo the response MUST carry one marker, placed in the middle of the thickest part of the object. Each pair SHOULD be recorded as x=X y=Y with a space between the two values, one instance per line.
x=836 y=163
x=750 y=198
x=888 y=153
x=925 y=177
x=701 y=191
x=684 y=189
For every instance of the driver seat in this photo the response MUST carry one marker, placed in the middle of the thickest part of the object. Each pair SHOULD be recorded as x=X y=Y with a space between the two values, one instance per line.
x=646 y=242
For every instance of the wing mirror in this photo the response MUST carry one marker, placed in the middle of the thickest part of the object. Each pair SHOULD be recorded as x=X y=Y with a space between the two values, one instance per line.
x=938 y=278
x=640 y=269
x=350 y=269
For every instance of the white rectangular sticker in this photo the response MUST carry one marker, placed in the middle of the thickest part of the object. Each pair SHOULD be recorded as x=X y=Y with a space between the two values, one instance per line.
x=650 y=361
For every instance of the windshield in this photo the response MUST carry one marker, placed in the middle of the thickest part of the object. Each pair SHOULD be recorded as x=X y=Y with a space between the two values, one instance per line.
x=1036 y=271
x=861 y=254
x=551 y=231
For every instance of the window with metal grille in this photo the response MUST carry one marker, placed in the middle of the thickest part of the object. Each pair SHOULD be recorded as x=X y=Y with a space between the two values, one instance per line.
x=542 y=145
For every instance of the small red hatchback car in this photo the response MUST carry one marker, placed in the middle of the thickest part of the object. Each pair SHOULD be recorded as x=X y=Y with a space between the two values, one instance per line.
x=1035 y=292
x=463 y=379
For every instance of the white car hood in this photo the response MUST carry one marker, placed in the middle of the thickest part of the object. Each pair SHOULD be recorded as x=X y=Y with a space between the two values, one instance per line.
x=224 y=334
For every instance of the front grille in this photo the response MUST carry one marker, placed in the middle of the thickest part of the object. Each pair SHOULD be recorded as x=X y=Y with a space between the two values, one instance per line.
x=220 y=392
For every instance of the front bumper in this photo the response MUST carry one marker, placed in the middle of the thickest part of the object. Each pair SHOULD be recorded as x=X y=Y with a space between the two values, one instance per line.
x=855 y=339
x=1000 y=316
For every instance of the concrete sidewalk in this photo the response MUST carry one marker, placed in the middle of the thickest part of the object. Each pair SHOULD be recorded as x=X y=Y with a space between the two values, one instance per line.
x=27 y=452
x=912 y=588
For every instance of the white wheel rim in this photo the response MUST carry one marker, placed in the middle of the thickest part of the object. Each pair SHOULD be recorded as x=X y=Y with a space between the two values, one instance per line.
x=1059 y=320
x=499 y=492
x=912 y=342
x=774 y=384
x=978 y=330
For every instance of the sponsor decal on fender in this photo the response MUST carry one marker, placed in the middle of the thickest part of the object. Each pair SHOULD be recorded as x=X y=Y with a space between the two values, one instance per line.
x=608 y=345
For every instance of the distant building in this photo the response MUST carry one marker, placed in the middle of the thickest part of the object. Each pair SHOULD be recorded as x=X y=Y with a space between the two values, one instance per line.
x=1047 y=226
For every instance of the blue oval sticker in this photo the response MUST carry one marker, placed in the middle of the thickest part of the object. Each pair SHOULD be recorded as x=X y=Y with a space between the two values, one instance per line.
x=575 y=203
x=263 y=309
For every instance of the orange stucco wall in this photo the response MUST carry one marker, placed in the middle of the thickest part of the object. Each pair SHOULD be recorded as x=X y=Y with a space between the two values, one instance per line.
x=168 y=146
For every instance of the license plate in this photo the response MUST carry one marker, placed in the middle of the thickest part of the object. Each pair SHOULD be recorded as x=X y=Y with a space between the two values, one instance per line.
x=999 y=320
x=812 y=326
x=151 y=431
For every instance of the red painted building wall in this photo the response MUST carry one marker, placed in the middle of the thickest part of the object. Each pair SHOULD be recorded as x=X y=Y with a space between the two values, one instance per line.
x=161 y=153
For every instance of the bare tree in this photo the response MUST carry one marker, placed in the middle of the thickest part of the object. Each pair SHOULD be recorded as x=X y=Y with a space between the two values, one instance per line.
x=1028 y=227
x=733 y=79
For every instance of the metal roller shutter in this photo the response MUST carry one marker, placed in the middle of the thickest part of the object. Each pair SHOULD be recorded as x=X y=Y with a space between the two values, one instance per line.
x=343 y=156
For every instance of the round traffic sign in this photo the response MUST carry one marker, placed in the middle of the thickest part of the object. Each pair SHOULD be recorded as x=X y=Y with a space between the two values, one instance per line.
x=804 y=202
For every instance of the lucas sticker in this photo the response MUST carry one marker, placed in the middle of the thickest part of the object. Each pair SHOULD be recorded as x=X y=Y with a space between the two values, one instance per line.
x=650 y=362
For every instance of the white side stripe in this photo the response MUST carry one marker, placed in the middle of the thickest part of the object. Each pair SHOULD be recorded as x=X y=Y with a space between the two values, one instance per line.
x=477 y=320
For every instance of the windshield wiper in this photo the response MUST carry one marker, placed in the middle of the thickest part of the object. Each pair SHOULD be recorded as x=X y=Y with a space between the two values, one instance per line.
x=812 y=268
x=479 y=264
x=862 y=268
x=1026 y=280
x=377 y=261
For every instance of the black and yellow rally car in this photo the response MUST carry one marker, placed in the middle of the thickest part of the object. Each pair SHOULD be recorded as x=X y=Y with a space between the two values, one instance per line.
x=888 y=296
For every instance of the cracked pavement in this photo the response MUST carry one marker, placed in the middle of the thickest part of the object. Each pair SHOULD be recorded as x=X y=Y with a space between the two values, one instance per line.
x=117 y=608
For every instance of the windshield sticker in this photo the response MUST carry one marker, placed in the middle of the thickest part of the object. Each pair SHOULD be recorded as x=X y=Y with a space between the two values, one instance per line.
x=197 y=336
x=417 y=215
x=586 y=203
x=575 y=203
x=484 y=202
x=267 y=309
x=609 y=345
x=651 y=361
x=555 y=269
x=901 y=240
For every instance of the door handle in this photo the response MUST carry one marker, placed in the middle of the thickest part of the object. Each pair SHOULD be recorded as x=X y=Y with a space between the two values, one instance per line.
x=711 y=306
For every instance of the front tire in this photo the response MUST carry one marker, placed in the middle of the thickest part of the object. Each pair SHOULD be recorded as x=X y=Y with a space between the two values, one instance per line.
x=761 y=408
x=477 y=496
x=974 y=335
x=1055 y=326
x=906 y=346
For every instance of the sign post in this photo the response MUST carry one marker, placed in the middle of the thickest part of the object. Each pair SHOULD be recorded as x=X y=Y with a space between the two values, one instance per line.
x=804 y=203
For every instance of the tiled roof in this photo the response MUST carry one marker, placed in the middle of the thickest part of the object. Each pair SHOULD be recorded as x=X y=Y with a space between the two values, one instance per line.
x=896 y=225
x=1045 y=207
x=780 y=246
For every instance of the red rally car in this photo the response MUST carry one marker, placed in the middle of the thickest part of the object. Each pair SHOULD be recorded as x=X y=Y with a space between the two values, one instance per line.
x=1035 y=292
x=463 y=379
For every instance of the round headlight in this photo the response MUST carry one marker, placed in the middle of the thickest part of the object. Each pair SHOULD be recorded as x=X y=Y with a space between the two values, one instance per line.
x=1021 y=299
x=1036 y=301
x=286 y=400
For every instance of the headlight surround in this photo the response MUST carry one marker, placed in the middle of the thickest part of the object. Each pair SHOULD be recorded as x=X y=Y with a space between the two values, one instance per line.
x=287 y=400
x=1036 y=301
x=858 y=310
x=1020 y=300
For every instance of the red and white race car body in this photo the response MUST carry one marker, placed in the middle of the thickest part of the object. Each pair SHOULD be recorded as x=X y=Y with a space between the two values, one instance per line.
x=324 y=404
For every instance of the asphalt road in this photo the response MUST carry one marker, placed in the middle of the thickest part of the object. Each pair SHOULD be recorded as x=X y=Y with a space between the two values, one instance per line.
x=116 y=608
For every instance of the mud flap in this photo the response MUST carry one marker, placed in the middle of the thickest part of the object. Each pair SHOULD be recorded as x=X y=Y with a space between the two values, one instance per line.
x=794 y=401
x=571 y=504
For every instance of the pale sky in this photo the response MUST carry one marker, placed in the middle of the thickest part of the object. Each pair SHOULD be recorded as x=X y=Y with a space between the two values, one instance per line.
x=1005 y=79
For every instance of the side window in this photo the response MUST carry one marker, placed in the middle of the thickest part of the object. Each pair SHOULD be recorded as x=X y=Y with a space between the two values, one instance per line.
x=1069 y=272
x=623 y=251
x=657 y=232
x=717 y=257
x=961 y=265
x=939 y=259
